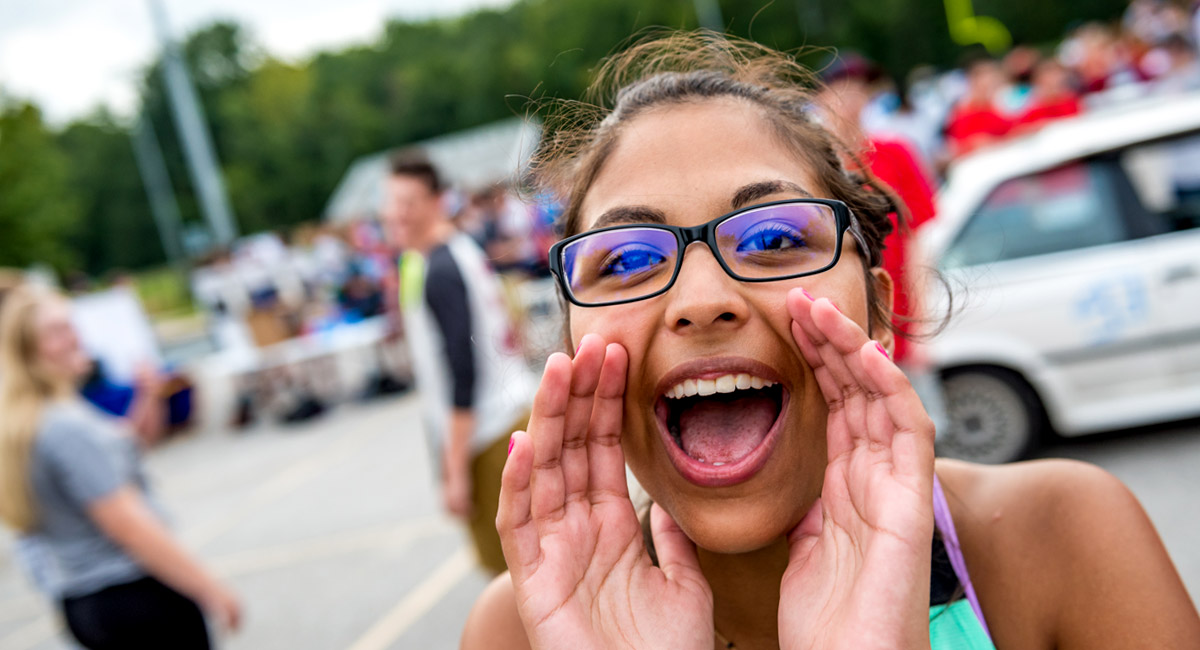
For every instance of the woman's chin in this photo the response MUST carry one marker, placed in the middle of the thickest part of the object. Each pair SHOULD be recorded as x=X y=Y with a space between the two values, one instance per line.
x=736 y=528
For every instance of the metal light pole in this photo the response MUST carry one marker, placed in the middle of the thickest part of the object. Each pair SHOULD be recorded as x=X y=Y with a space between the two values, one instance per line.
x=163 y=205
x=194 y=135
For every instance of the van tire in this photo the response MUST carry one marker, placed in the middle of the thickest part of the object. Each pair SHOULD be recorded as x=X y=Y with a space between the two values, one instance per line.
x=992 y=415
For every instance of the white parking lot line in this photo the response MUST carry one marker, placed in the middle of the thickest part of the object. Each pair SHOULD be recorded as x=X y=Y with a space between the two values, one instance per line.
x=280 y=485
x=417 y=603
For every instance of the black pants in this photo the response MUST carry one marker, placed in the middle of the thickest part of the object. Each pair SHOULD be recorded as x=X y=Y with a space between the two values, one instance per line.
x=142 y=614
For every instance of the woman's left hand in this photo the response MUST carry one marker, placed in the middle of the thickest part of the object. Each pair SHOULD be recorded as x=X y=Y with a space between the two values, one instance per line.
x=858 y=571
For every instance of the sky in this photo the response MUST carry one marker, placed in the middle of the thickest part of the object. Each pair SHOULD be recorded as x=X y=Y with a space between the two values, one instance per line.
x=70 y=56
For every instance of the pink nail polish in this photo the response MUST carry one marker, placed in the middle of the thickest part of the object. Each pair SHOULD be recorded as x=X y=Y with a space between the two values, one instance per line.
x=806 y=293
x=511 y=440
x=882 y=351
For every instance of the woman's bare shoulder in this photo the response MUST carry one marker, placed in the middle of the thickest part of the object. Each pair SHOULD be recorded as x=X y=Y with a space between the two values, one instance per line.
x=1062 y=553
x=1034 y=489
x=494 y=622
x=1051 y=502
x=1044 y=511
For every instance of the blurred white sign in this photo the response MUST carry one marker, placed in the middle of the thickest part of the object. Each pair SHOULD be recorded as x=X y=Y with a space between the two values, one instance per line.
x=115 y=330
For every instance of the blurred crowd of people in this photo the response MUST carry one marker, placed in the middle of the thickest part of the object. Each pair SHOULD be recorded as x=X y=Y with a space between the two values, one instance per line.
x=270 y=288
x=324 y=275
x=1152 y=51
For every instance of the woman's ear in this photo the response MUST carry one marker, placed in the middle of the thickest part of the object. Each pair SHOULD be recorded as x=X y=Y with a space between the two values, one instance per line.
x=885 y=295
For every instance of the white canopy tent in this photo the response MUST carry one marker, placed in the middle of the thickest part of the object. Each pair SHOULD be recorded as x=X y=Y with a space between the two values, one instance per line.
x=469 y=159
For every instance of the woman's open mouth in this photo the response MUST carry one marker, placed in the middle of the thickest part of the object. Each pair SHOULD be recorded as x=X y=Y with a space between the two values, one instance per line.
x=720 y=427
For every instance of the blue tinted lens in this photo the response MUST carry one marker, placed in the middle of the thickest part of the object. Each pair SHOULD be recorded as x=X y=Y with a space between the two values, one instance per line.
x=620 y=264
x=779 y=240
x=767 y=236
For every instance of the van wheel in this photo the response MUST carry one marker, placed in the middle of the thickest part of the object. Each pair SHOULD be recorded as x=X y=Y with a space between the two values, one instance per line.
x=992 y=416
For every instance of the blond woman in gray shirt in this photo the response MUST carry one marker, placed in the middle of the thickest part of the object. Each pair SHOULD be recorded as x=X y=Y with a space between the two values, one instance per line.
x=71 y=483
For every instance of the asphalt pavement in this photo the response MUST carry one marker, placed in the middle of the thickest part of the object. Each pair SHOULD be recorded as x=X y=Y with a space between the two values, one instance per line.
x=331 y=530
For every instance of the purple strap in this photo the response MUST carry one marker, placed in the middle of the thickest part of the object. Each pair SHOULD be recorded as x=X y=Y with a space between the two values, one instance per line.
x=945 y=523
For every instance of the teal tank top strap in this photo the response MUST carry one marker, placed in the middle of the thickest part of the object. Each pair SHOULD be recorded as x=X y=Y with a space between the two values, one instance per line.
x=954 y=626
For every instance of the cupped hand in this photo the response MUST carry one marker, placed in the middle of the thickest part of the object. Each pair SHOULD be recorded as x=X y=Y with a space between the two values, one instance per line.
x=574 y=547
x=858 y=571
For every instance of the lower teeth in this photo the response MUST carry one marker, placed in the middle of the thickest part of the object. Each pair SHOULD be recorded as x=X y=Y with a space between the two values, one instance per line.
x=715 y=463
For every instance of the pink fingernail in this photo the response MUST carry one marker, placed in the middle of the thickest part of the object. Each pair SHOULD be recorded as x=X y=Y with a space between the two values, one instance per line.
x=839 y=309
x=806 y=293
x=511 y=440
x=882 y=351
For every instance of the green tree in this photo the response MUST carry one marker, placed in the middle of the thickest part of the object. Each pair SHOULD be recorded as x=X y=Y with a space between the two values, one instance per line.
x=286 y=131
x=38 y=208
x=116 y=228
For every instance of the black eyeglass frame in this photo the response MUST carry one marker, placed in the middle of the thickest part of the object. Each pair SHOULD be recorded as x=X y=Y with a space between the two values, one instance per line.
x=706 y=232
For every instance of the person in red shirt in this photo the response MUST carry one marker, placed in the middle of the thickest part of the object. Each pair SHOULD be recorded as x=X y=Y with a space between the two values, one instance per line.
x=1053 y=98
x=889 y=159
x=975 y=121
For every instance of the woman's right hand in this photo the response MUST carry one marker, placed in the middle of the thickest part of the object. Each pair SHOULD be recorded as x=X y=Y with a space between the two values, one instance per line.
x=223 y=606
x=579 y=567
x=127 y=520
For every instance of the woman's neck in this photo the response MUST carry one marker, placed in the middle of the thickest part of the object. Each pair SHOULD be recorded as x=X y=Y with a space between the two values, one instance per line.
x=746 y=594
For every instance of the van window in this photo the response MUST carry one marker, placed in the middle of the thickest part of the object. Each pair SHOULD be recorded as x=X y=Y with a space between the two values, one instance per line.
x=1065 y=208
x=1166 y=178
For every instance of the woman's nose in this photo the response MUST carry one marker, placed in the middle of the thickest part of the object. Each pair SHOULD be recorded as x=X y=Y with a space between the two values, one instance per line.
x=704 y=296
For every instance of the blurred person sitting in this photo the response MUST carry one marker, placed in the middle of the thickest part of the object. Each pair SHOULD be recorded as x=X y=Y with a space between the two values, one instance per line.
x=330 y=255
x=474 y=219
x=73 y=487
x=975 y=121
x=914 y=126
x=360 y=297
x=1152 y=21
x=1053 y=97
x=1018 y=65
x=511 y=245
x=145 y=405
x=922 y=112
x=1102 y=61
x=475 y=386
x=1182 y=73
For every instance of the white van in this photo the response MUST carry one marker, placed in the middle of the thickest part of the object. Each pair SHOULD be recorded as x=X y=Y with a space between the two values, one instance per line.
x=1072 y=259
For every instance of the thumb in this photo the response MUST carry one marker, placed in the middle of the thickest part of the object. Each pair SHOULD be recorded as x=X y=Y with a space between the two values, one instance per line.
x=676 y=553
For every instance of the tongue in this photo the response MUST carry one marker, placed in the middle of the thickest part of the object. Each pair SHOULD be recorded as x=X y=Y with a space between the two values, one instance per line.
x=725 y=430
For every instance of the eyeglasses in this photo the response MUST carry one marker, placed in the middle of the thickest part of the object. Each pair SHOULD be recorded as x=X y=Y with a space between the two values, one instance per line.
x=780 y=240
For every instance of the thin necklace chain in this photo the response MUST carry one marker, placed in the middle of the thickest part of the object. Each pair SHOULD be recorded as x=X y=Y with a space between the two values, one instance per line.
x=721 y=638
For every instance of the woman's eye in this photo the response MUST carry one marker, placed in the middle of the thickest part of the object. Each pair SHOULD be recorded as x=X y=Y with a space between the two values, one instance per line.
x=770 y=238
x=630 y=260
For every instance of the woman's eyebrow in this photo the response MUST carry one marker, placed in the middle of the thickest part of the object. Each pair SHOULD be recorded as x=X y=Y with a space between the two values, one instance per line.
x=754 y=191
x=630 y=214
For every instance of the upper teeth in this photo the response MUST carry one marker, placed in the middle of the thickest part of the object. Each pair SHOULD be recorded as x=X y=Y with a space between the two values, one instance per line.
x=722 y=384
